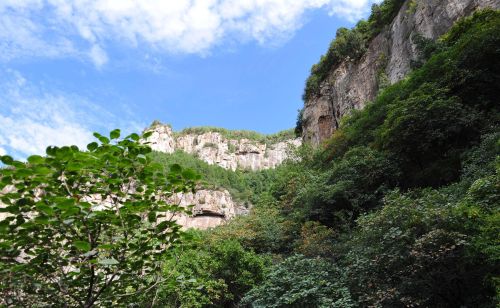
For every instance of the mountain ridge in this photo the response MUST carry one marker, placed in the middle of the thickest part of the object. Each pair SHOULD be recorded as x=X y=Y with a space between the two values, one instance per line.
x=232 y=150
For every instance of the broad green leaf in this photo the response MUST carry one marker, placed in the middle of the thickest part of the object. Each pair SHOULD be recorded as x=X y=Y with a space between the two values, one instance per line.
x=45 y=209
x=40 y=170
x=6 y=159
x=104 y=140
x=41 y=220
x=114 y=134
x=74 y=166
x=4 y=226
x=82 y=245
x=111 y=261
x=35 y=159
x=92 y=146
x=51 y=150
x=101 y=138
x=134 y=137
x=97 y=135
x=65 y=203
x=162 y=226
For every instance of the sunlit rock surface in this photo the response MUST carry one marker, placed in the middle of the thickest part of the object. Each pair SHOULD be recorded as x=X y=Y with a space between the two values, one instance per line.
x=353 y=84
x=215 y=149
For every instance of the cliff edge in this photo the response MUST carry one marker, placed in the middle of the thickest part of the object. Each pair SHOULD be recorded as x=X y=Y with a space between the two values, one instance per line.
x=388 y=58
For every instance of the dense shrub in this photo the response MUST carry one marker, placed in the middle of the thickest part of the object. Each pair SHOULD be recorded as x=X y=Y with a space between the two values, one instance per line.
x=242 y=184
x=211 y=273
x=417 y=250
x=348 y=187
x=301 y=282
x=408 y=187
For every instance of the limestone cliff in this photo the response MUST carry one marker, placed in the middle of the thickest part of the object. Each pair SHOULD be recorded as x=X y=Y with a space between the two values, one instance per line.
x=213 y=207
x=352 y=84
x=210 y=208
x=215 y=148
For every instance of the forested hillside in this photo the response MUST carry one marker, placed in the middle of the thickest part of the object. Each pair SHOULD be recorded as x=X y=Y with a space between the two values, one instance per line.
x=400 y=207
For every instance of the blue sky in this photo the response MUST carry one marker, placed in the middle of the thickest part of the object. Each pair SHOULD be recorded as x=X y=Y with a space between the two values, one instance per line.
x=68 y=68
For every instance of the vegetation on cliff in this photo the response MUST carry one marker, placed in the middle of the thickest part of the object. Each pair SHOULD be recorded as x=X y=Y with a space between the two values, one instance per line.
x=243 y=185
x=351 y=44
x=237 y=134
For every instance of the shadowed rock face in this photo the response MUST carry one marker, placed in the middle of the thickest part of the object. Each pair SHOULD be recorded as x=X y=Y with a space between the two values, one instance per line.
x=211 y=208
x=353 y=84
x=215 y=149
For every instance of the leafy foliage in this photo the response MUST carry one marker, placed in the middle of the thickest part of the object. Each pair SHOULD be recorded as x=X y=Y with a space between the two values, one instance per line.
x=301 y=282
x=211 y=274
x=83 y=227
x=404 y=199
x=400 y=208
x=418 y=251
x=299 y=123
x=242 y=184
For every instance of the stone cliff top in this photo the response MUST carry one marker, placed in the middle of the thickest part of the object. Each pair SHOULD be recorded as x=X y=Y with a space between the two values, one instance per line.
x=228 y=149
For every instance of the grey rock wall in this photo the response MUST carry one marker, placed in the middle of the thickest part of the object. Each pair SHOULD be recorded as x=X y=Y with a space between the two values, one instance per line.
x=354 y=83
x=215 y=149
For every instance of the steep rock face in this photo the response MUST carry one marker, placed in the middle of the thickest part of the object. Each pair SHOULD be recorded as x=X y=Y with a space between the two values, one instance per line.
x=162 y=139
x=353 y=84
x=211 y=208
x=214 y=207
x=215 y=149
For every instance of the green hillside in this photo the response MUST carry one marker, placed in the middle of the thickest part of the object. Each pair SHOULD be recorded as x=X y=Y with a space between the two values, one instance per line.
x=400 y=208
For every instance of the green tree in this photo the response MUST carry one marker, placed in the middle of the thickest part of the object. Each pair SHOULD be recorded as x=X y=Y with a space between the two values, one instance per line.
x=427 y=133
x=418 y=250
x=86 y=228
x=352 y=185
x=301 y=282
x=212 y=273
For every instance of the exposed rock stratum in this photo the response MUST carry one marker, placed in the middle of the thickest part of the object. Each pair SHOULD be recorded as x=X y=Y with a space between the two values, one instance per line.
x=352 y=84
x=215 y=149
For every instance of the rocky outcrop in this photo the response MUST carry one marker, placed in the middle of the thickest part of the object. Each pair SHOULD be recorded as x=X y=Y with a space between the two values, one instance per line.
x=215 y=149
x=211 y=208
x=214 y=207
x=352 y=85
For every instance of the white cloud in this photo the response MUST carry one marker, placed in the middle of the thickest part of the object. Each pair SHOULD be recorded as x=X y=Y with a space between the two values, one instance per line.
x=55 y=28
x=32 y=118
x=98 y=56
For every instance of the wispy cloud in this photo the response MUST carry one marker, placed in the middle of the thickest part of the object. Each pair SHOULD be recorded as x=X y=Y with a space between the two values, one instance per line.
x=83 y=28
x=32 y=118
